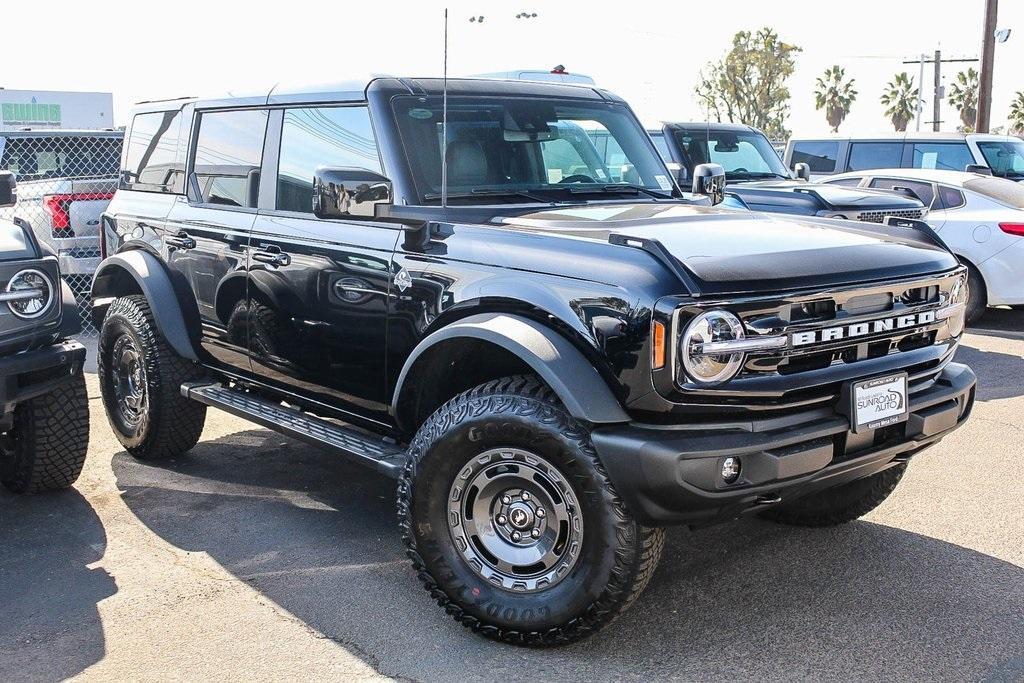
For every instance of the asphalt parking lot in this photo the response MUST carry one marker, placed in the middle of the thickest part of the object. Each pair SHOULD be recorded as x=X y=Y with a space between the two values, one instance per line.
x=261 y=558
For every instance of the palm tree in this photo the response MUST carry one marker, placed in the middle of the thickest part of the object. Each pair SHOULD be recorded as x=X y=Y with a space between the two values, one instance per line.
x=834 y=96
x=900 y=100
x=1017 y=114
x=963 y=95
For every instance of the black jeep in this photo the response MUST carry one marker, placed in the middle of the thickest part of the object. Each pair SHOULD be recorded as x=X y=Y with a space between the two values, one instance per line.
x=756 y=175
x=500 y=298
x=44 y=409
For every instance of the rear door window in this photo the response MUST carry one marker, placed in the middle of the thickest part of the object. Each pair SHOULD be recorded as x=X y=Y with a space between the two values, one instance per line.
x=950 y=197
x=924 y=191
x=229 y=151
x=152 y=162
x=949 y=156
x=821 y=156
x=868 y=155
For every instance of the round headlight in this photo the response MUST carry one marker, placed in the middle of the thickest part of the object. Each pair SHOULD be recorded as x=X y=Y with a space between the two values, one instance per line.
x=958 y=296
x=29 y=294
x=708 y=328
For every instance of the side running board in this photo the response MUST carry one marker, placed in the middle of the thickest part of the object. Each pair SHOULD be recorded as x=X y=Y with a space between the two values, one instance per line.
x=383 y=456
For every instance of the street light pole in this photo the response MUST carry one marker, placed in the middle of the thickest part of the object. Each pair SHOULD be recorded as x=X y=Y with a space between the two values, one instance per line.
x=988 y=53
x=920 y=91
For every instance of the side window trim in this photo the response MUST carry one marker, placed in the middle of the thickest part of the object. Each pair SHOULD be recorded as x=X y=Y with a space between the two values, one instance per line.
x=193 y=144
x=271 y=159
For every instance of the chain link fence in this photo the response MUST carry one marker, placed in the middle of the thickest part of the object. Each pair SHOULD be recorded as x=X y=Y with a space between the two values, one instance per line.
x=65 y=180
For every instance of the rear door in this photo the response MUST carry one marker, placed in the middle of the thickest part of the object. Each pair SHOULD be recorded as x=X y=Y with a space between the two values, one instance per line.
x=320 y=288
x=206 y=235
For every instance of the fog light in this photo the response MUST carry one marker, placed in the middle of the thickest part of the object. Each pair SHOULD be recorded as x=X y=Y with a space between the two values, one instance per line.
x=731 y=470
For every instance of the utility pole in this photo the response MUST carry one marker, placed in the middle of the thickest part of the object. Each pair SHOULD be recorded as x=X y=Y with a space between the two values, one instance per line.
x=920 y=100
x=938 y=92
x=988 y=53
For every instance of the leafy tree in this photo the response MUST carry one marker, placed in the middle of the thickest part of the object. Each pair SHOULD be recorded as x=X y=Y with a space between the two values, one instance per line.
x=748 y=85
x=1017 y=114
x=963 y=95
x=900 y=100
x=834 y=96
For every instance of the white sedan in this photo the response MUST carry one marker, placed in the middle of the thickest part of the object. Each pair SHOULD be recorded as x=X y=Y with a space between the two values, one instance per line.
x=979 y=217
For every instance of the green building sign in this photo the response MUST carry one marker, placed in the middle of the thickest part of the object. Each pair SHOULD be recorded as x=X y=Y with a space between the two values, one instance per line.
x=29 y=113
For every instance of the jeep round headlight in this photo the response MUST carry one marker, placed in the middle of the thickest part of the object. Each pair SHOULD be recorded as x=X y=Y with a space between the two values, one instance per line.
x=29 y=294
x=701 y=336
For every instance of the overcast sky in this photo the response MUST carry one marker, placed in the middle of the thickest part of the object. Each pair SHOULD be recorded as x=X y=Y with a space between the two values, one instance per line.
x=648 y=52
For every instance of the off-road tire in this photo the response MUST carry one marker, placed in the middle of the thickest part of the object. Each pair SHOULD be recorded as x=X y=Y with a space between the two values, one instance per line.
x=617 y=555
x=977 y=295
x=841 y=504
x=45 y=449
x=172 y=423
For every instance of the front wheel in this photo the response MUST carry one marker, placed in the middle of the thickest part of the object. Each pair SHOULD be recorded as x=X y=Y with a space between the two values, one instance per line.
x=511 y=522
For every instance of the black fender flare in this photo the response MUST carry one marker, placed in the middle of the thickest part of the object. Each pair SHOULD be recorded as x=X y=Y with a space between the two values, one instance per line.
x=153 y=279
x=70 y=322
x=561 y=365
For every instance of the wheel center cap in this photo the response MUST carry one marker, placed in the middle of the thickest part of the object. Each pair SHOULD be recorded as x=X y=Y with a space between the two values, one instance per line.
x=520 y=516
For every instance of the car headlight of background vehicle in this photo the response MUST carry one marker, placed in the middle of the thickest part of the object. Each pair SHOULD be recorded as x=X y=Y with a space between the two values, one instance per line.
x=29 y=294
x=710 y=347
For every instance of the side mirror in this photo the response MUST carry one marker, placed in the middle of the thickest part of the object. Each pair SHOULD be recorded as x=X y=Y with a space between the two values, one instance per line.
x=345 y=192
x=8 y=189
x=802 y=170
x=709 y=180
x=978 y=168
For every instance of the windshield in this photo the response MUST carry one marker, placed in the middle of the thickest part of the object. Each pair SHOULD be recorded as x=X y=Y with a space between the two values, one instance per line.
x=745 y=155
x=1005 y=158
x=521 y=147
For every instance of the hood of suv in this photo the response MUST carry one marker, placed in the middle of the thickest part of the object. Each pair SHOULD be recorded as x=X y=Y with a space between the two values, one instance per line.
x=738 y=251
x=836 y=197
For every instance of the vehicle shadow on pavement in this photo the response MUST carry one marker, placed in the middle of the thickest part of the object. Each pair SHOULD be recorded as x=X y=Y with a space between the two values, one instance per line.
x=319 y=537
x=1000 y=322
x=50 y=626
x=1000 y=375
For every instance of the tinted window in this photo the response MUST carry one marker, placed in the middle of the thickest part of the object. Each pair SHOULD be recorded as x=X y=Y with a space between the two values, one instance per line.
x=845 y=182
x=923 y=191
x=659 y=144
x=865 y=155
x=228 y=155
x=744 y=154
x=950 y=197
x=45 y=157
x=151 y=160
x=948 y=156
x=321 y=136
x=1000 y=189
x=820 y=156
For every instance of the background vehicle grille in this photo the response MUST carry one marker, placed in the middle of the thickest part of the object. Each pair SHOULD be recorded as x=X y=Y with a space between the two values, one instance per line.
x=879 y=216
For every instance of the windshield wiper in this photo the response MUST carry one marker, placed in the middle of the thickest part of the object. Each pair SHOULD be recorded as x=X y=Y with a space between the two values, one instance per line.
x=485 y=192
x=624 y=188
x=755 y=176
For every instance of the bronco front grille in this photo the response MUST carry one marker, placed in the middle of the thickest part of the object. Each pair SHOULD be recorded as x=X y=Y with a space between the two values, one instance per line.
x=880 y=216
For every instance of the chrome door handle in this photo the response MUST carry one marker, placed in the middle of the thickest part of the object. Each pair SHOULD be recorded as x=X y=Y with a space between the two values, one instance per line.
x=271 y=255
x=181 y=241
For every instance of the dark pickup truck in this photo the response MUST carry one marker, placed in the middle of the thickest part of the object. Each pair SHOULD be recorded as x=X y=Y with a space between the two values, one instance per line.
x=44 y=410
x=555 y=355
x=755 y=174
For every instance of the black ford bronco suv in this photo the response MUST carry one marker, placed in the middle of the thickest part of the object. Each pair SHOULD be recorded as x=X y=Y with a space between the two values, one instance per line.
x=553 y=350
x=755 y=173
x=44 y=409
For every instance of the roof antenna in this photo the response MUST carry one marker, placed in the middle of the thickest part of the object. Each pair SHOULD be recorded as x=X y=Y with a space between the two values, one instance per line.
x=444 y=119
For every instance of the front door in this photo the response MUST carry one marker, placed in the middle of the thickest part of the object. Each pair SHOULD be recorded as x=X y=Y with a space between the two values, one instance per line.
x=207 y=233
x=319 y=289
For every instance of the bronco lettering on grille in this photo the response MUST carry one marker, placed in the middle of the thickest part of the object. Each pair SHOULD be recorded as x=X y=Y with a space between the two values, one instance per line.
x=827 y=334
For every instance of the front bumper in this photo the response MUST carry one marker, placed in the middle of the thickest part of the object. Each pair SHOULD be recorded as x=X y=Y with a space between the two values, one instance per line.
x=29 y=374
x=672 y=475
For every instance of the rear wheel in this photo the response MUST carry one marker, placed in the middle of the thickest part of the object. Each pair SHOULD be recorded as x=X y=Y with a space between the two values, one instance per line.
x=840 y=504
x=140 y=380
x=977 y=295
x=45 y=449
x=511 y=521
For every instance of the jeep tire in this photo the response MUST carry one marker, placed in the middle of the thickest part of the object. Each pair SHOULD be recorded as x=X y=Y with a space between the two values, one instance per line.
x=140 y=381
x=841 y=504
x=46 y=446
x=511 y=522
